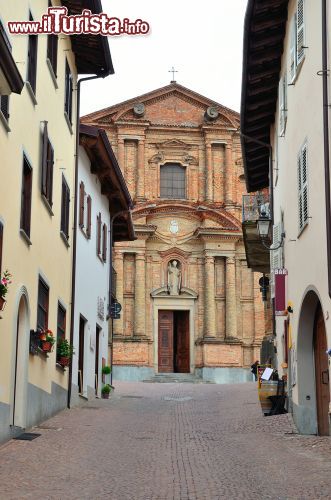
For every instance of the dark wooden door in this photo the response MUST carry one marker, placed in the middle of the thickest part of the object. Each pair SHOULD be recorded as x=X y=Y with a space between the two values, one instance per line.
x=81 y=354
x=97 y=350
x=183 y=342
x=322 y=375
x=166 y=341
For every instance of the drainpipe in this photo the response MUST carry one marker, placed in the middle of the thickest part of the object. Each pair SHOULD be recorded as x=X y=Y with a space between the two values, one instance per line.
x=110 y=291
x=74 y=244
x=325 y=74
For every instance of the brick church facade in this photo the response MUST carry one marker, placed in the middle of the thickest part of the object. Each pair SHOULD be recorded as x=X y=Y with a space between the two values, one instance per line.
x=190 y=304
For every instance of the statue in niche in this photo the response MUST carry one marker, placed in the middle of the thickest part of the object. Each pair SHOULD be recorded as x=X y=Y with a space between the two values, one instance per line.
x=174 y=278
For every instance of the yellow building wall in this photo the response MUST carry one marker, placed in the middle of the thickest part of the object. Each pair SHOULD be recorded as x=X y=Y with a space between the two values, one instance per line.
x=47 y=255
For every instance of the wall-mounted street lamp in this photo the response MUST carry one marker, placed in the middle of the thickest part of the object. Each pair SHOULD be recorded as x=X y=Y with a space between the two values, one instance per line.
x=264 y=227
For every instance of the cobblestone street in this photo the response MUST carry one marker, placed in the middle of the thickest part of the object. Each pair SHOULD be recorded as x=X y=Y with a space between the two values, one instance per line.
x=168 y=441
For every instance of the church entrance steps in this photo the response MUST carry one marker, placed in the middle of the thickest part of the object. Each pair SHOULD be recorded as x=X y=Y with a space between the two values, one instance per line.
x=171 y=378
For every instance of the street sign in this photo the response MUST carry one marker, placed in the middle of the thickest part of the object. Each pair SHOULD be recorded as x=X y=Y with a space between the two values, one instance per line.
x=115 y=310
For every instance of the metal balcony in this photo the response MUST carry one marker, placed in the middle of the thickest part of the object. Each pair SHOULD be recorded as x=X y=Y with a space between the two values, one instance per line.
x=257 y=255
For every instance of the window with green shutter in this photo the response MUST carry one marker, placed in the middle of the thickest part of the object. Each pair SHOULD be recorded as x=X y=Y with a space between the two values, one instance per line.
x=303 y=187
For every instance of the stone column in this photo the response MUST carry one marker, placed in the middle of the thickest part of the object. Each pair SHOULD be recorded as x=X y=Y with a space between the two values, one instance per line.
x=139 y=296
x=228 y=174
x=230 y=298
x=210 y=305
x=121 y=154
x=141 y=169
x=209 y=173
x=119 y=268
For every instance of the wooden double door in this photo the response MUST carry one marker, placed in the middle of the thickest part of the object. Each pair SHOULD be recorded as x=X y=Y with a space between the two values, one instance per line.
x=174 y=342
x=321 y=375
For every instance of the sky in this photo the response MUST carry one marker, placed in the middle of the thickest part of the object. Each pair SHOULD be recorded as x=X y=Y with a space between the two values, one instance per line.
x=202 y=40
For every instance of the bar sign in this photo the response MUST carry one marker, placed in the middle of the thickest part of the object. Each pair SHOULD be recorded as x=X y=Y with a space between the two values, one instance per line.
x=280 y=298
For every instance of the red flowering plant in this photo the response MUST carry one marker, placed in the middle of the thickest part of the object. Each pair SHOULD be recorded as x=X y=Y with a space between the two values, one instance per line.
x=47 y=339
x=4 y=282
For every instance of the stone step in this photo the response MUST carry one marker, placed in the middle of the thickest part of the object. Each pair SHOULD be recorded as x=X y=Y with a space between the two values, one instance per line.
x=171 y=378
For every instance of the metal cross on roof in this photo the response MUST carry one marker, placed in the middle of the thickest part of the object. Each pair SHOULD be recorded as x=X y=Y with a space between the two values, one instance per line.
x=173 y=71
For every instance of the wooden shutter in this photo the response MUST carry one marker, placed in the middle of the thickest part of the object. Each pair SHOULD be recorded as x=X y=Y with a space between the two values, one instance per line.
x=67 y=211
x=50 y=168
x=293 y=58
x=43 y=305
x=81 y=203
x=4 y=106
x=44 y=162
x=303 y=187
x=1 y=244
x=26 y=197
x=104 y=243
x=275 y=256
x=99 y=234
x=65 y=208
x=32 y=59
x=52 y=49
x=300 y=29
x=282 y=98
x=68 y=92
x=89 y=217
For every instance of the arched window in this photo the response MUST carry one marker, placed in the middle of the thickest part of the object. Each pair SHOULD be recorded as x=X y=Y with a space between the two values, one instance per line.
x=173 y=183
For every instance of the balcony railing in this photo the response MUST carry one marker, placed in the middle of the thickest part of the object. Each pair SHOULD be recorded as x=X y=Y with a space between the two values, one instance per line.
x=255 y=206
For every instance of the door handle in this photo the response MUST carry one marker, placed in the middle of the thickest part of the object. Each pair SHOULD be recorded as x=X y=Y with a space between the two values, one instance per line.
x=325 y=377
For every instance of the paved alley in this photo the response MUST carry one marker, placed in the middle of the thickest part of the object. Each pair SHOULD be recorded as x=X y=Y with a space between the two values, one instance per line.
x=168 y=442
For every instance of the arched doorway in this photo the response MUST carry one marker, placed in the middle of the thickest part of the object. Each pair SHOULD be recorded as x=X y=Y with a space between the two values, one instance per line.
x=321 y=374
x=21 y=364
x=311 y=406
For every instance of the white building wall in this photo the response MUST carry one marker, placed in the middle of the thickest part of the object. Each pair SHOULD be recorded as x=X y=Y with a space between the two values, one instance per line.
x=92 y=283
x=305 y=255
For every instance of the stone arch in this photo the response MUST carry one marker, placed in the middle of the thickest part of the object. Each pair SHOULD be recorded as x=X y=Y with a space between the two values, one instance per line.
x=305 y=413
x=21 y=358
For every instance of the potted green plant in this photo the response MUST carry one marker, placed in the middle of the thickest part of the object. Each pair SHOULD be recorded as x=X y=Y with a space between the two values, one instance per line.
x=106 y=370
x=105 y=391
x=47 y=340
x=4 y=282
x=64 y=352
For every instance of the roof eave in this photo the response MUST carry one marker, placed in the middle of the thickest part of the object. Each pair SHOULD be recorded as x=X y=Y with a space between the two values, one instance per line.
x=9 y=68
x=92 y=51
x=260 y=130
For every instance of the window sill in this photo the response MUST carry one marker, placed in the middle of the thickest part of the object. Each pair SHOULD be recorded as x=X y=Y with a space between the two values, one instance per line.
x=302 y=230
x=61 y=368
x=169 y=199
x=101 y=259
x=53 y=75
x=4 y=122
x=84 y=232
x=64 y=239
x=68 y=123
x=297 y=72
x=31 y=93
x=47 y=205
x=25 y=237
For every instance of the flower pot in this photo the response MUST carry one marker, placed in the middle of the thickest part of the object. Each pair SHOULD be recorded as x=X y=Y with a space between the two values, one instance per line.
x=46 y=346
x=105 y=395
x=64 y=361
x=2 y=303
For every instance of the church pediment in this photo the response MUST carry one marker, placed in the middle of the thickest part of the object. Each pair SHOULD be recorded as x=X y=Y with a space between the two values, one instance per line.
x=182 y=221
x=171 y=105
